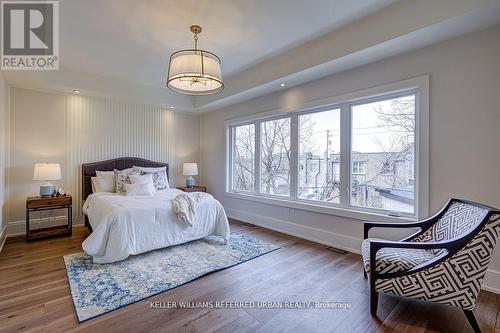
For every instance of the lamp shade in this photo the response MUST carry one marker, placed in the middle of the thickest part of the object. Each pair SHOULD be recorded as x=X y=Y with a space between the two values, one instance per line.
x=195 y=72
x=47 y=171
x=190 y=169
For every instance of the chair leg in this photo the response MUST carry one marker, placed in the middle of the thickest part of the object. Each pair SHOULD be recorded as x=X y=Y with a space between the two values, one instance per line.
x=373 y=299
x=472 y=321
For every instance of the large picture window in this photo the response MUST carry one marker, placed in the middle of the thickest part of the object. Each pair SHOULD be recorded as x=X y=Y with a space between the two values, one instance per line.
x=275 y=157
x=383 y=141
x=244 y=158
x=361 y=155
x=319 y=156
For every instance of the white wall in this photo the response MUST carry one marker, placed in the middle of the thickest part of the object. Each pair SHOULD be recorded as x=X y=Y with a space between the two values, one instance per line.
x=4 y=130
x=464 y=134
x=52 y=127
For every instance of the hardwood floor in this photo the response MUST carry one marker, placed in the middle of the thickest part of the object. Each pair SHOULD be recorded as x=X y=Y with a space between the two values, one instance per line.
x=35 y=296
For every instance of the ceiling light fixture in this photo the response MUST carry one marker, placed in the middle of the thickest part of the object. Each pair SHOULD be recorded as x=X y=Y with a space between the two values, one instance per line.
x=194 y=71
x=171 y=107
x=282 y=84
x=76 y=91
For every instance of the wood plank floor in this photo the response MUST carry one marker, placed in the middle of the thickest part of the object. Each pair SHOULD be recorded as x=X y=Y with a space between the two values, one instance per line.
x=35 y=296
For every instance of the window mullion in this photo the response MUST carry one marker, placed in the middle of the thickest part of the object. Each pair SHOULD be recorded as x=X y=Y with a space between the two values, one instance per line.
x=294 y=163
x=345 y=154
x=230 y=157
x=257 y=157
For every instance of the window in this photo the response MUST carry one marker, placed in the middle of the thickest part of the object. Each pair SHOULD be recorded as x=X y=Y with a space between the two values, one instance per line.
x=383 y=134
x=244 y=158
x=361 y=155
x=319 y=156
x=358 y=168
x=275 y=157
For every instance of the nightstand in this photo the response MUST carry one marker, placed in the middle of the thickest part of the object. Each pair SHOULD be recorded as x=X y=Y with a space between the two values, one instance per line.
x=192 y=189
x=37 y=204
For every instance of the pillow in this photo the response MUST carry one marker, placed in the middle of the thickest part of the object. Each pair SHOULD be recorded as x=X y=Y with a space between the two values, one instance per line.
x=100 y=174
x=97 y=185
x=106 y=180
x=138 y=189
x=144 y=179
x=160 y=179
x=93 y=181
x=122 y=178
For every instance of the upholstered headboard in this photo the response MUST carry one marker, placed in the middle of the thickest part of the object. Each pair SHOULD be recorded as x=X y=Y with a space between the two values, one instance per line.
x=89 y=169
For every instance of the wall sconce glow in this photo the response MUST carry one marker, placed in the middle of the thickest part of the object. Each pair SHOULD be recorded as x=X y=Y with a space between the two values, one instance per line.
x=282 y=84
x=76 y=91
x=194 y=71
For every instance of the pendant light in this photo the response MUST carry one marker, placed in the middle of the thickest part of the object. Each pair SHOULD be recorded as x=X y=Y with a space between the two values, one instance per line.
x=195 y=71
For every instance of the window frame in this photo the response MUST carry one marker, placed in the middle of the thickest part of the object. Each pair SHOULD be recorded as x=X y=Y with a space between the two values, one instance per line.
x=418 y=86
x=259 y=156
x=232 y=152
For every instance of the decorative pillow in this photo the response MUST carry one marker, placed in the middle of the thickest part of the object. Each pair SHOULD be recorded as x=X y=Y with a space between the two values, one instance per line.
x=160 y=179
x=106 y=180
x=144 y=179
x=122 y=178
x=138 y=189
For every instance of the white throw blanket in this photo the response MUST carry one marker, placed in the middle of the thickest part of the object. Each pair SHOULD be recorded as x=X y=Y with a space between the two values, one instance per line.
x=185 y=205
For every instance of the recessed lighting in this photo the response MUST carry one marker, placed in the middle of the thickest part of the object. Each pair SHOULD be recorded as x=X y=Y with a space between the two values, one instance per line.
x=282 y=84
x=171 y=107
x=76 y=91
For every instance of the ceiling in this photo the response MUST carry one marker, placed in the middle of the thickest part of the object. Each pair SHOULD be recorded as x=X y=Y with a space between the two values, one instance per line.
x=121 y=48
x=132 y=40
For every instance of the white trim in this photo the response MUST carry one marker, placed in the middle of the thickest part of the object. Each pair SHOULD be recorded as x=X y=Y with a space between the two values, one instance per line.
x=348 y=243
x=3 y=237
x=419 y=84
x=492 y=281
x=316 y=235
x=318 y=207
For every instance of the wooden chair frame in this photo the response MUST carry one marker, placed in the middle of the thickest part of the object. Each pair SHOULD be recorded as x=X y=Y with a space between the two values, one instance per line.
x=452 y=247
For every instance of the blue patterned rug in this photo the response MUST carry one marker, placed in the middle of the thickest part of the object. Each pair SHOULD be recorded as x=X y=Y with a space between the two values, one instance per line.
x=100 y=288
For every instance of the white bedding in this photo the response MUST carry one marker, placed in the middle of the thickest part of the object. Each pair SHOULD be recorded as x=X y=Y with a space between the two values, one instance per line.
x=126 y=225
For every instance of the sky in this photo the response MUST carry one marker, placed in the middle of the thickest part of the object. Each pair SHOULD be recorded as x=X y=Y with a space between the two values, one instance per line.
x=368 y=132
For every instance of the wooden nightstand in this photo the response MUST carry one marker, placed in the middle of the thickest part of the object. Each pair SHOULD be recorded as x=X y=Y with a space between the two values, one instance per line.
x=192 y=189
x=36 y=204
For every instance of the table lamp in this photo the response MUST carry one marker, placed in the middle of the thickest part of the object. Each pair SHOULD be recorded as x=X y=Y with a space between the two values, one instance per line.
x=190 y=169
x=47 y=172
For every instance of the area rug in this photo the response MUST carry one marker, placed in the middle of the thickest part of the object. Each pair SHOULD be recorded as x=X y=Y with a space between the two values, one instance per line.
x=100 y=288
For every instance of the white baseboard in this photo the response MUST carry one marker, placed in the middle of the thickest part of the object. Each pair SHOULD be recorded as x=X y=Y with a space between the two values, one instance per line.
x=326 y=237
x=316 y=235
x=18 y=228
x=492 y=281
x=3 y=237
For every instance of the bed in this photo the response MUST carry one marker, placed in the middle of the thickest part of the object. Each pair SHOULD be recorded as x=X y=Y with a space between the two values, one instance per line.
x=124 y=225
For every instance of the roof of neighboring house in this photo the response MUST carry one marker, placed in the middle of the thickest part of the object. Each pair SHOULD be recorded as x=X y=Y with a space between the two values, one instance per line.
x=404 y=194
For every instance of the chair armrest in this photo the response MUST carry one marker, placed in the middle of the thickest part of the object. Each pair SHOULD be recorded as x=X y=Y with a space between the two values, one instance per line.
x=375 y=246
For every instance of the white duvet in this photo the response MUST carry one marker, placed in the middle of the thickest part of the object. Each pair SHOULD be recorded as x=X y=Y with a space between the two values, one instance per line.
x=126 y=225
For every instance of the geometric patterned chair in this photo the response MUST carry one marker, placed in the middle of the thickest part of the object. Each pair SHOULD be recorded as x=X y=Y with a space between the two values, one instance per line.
x=444 y=262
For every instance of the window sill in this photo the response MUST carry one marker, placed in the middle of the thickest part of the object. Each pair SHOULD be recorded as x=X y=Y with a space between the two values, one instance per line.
x=319 y=208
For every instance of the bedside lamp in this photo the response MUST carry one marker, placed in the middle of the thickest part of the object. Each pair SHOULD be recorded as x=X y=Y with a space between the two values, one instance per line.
x=47 y=172
x=190 y=169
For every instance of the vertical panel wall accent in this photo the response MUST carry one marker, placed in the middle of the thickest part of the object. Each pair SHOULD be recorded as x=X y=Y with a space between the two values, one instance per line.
x=100 y=129
x=4 y=138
